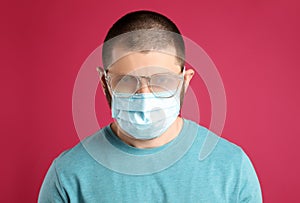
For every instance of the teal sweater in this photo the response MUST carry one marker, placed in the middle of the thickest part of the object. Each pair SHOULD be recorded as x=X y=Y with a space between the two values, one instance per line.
x=102 y=168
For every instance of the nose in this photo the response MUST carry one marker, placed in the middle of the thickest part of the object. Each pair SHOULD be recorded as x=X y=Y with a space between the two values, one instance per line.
x=144 y=88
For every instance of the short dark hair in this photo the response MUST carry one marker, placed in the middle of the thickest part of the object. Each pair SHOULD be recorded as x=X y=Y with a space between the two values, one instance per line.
x=158 y=33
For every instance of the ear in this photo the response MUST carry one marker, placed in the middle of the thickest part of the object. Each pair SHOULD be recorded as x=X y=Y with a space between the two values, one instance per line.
x=102 y=79
x=187 y=78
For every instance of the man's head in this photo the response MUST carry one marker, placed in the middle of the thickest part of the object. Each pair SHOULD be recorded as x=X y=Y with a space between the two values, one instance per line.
x=143 y=39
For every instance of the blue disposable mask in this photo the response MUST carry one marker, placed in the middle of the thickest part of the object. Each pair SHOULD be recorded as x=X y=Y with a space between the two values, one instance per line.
x=145 y=116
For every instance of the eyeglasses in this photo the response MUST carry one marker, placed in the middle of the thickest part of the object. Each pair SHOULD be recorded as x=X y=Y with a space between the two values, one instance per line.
x=163 y=85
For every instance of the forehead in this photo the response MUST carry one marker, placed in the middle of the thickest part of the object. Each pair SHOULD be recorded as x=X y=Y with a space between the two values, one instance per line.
x=145 y=63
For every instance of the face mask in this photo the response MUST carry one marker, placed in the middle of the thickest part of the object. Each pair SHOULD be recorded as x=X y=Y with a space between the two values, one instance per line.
x=144 y=116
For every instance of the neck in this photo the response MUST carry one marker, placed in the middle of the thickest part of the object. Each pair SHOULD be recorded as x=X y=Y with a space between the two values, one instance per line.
x=171 y=133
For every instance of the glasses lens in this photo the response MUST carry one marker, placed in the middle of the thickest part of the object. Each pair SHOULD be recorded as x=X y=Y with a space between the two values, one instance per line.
x=164 y=83
x=124 y=84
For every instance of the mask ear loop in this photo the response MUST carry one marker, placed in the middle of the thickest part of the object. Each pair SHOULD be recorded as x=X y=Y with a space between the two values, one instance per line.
x=183 y=71
x=181 y=82
x=101 y=72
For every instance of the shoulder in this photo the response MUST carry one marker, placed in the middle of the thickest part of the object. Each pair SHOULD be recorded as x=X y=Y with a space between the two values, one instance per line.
x=221 y=154
x=78 y=156
x=226 y=159
x=213 y=146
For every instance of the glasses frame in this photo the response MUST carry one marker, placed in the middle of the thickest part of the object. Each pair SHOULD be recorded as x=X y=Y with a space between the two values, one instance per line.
x=139 y=85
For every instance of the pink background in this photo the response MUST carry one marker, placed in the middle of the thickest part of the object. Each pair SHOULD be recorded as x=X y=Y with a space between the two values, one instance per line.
x=254 y=44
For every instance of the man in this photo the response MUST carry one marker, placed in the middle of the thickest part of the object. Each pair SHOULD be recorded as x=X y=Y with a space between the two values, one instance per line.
x=150 y=153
